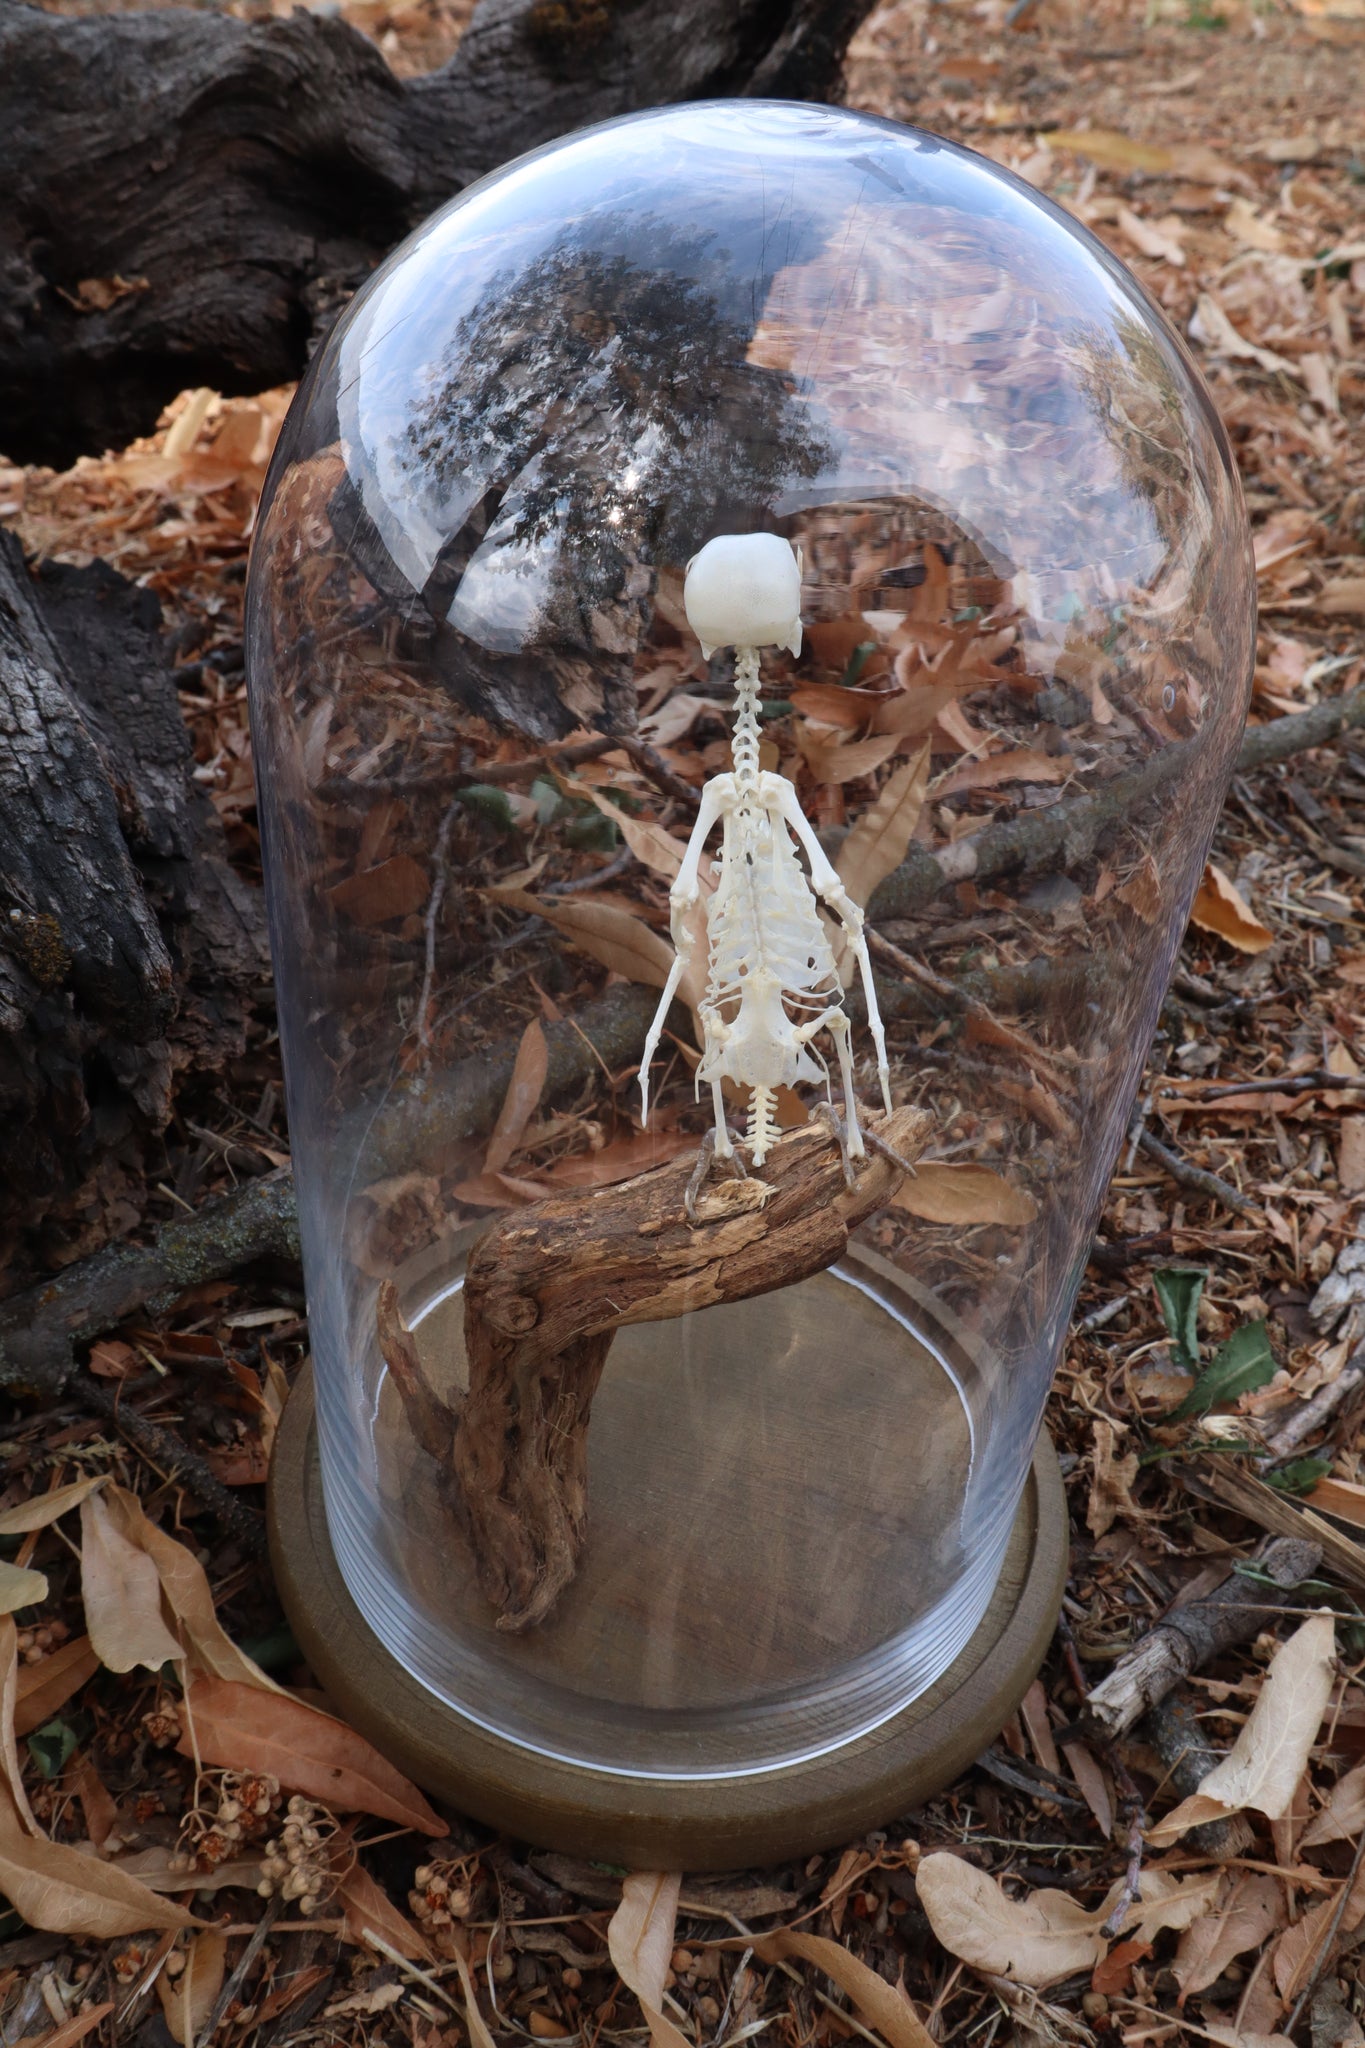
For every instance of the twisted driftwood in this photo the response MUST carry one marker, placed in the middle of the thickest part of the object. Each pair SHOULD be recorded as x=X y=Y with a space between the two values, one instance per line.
x=546 y=1290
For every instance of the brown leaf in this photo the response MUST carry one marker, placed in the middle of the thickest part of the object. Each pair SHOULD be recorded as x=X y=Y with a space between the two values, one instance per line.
x=1166 y=1901
x=396 y=888
x=654 y=846
x=122 y=1595
x=1114 y=1973
x=111 y=1360
x=45 y=1687
x=1343 y=1817
x=367 y=1908
x=621 y=942
x=640 y=1940
x=1218 y=908
x=1343 y=598
x=44 y=1508
x=9 y=1749
x=522 y=1099
x=1251 y=1908
x=849 y=763
x=1263 y=1768
x=185 y=1588
x=1111 y=1481
x=942 y=1191
x=1020 y=764
x=914 y=709
x=1304 y=1946
x=62 y=1891
x=244 y=1729
x=1113 y=152
x=877 y=843
x=1034 y=1941
x=188 y=1999
x=640 y=1153
x=885 y=2006
x=97 y=1802
x=832 y=704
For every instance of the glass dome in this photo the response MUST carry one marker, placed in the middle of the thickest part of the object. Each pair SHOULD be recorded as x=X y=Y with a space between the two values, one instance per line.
x=661 y=1495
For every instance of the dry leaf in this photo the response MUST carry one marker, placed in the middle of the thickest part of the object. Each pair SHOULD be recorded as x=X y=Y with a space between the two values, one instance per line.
x=941 y=1191
x=45 y=1687
x=878 y=842
x=1263 y=1768
x=640 y=1939
x=152 y=1867
x=640 y=1153
x=845 y=763
x=73 y=2030
x=1211 y=326
x=20 y=1587
x=1020 y=764
x=1250 y=1909
x=1034 y=1941
x=522 y=1099
x=186 y=1591
x=1165 y=1901
x=884 y=2006
x=1304 y=1948
x=61 y=1891
x=44 y=1508
x=654 y=846
x=242 y=1728
x=122 y=1594
x=188 y=1999
x=1218 y=908
x=1343 y=1817
x=1343 y=598
x=1111 y=1481
x=9 y=1748
x=674 y=719
x=1339 y=1497
x=1150 y=239
x=621 y=942
x=1111 y=151
x=97 y=1802
x=367 y=1908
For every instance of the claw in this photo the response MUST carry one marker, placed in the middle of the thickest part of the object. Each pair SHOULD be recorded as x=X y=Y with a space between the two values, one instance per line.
x=703 y=1166
x=828 y=1114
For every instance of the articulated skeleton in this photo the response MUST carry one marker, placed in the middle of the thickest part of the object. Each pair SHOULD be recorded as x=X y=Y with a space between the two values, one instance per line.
x=772 y=982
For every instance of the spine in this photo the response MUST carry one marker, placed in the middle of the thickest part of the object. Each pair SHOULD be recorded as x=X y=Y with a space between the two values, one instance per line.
x=744 y=747
x=762 y=1123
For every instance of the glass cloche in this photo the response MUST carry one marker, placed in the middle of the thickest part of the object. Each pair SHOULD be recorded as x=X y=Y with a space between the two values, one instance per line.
x=760 y=584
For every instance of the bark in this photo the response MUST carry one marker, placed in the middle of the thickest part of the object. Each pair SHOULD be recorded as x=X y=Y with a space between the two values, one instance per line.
x=187 y=194
x=128 y=950
x=547 y=1288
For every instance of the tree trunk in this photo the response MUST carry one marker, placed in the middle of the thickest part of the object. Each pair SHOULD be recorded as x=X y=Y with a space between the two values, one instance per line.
x=128 y=949
x=186 y=195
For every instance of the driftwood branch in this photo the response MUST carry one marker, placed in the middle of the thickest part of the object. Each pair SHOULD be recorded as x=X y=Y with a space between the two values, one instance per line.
x=547 y=1288
x=186 y=194
x=1188 y=1637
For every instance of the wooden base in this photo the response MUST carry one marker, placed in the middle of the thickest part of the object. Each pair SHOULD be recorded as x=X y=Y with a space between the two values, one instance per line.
x=692 y=1824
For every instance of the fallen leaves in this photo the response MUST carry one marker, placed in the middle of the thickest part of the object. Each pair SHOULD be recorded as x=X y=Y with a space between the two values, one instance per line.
x=308 y=1751
x=946 y=1191
x=122 y=1593
x=1219 y=907
x=188 y=1996
x=522 y=1099
x=879 y=840
x=1264 y=1766
x=640 y=1942
x=1035 y=1941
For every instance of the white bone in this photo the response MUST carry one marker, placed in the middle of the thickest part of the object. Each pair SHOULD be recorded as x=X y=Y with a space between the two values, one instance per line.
x=744 y=590
x=772 y=982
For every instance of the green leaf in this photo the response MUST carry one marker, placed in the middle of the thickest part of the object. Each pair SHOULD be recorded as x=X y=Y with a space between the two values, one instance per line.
x=1244 y=1362
x=1301 y=1475
x=595 y=833
x=490 y=802
x=1178 y=1289
x=51 y=1745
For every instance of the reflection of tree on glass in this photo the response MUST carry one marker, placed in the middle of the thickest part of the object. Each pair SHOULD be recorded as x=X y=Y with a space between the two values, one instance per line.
x=593 y=417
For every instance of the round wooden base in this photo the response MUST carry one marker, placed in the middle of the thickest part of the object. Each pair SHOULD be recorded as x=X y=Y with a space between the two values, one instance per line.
x=692 y=1824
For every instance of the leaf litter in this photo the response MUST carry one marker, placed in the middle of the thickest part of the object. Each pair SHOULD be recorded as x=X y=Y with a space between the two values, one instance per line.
x=1217 y=150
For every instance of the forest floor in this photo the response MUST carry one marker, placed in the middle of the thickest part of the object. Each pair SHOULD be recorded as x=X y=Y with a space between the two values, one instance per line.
x=1219 y=148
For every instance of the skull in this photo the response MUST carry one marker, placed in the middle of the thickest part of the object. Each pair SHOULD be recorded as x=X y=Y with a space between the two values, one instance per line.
x=744 y=590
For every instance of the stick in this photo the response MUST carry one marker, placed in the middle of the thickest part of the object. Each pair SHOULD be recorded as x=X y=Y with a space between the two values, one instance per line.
x=170 y=1454
x=546 y=1289
x=1195 y=1178
x=1320 y=1408
x=1188 y=1637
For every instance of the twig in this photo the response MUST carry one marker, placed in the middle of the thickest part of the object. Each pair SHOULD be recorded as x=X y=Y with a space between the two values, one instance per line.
x=660 y=774
x=567 y=755
x=1034 y=1779
x=958 y=998
x=170 y=1454
x=438 y=890
x=1324 y=1947
x=617 y=865
x=1195 y=1178
x=1319 y=1408
x=1130 y=1804
x=234 y=1983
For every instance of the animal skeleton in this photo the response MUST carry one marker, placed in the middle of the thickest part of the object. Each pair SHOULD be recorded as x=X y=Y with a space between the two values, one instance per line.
x=772 y=982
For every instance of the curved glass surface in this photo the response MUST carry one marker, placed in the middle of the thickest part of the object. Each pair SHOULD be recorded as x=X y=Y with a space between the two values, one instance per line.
x=482 y=724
